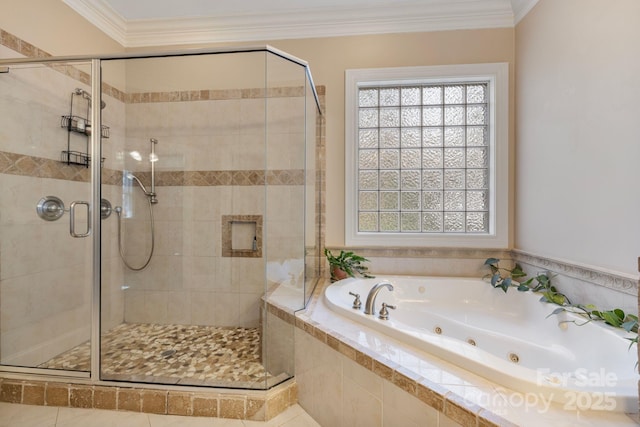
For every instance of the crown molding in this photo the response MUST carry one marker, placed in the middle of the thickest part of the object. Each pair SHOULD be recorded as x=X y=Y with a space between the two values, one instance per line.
x=521 y=8
x=100 y=14
x=396 y=17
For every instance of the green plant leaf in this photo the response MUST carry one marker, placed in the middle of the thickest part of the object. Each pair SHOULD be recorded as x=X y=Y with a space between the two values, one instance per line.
x=543 y=279
x=559 y=299
x=517 y=272
x=611 y=318
x=527 y=282
x=619 y=313
x=348 y=262
x=554 y=297
x=495 y=279
x=630 y=325
x=523 y=288
x=505 y=284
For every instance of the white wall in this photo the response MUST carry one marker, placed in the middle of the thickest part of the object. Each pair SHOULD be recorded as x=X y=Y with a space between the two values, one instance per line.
x=577 y=136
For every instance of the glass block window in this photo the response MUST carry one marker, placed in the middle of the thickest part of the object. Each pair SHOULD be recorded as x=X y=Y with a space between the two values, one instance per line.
x=423 y=158
x=427 y=156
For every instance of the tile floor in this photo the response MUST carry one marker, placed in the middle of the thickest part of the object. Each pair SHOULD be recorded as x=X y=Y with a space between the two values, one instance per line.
x=175 y=354
x=15 y=415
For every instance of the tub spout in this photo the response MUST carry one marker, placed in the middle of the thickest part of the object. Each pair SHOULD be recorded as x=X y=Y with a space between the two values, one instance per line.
x=370 y=305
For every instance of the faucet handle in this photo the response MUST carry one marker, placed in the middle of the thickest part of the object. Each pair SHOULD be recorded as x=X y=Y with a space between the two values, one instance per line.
x=356 y=302
x=384 y=313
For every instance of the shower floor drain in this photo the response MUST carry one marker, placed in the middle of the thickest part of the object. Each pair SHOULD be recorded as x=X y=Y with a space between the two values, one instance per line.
x=168 y=353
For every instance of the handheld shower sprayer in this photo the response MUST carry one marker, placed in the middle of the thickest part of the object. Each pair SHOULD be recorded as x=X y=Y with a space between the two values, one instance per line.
x=151 y=199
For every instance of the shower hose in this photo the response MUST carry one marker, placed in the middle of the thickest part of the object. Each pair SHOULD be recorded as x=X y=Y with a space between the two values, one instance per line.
x=118 y=210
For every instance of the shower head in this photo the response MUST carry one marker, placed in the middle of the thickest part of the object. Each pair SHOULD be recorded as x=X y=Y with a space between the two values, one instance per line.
x=86 y=95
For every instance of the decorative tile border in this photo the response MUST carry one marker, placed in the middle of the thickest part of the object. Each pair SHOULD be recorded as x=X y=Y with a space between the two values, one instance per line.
x=257 y=406
x=213 y=95
x=40 y=167
x=283 y=313
x=321 y=267
x=20 y=164
x=21 y=46
x=588 y=274
x=226 y=177
x=425 y=252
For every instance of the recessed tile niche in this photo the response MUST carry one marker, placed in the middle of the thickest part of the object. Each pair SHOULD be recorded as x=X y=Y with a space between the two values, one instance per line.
x=242 y=236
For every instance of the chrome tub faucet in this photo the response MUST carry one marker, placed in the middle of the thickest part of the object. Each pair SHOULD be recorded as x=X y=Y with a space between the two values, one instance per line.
x=369 y=307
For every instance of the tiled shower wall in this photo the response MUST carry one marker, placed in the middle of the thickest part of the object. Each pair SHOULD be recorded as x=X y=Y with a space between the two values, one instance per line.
x=213 y=153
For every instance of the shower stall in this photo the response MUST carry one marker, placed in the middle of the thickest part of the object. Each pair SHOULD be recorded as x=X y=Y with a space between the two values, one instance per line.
x=153 y=206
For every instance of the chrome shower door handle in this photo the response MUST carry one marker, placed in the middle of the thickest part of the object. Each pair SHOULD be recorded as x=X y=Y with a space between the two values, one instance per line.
x=72 y=219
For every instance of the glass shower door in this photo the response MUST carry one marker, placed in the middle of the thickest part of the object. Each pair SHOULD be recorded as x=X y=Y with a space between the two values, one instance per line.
x=45 y=189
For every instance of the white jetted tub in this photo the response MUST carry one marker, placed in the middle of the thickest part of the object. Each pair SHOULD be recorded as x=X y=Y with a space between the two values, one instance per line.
x=509 y=338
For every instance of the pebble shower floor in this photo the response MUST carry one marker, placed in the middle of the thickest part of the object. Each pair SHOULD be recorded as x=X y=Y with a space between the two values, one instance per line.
x=175 y=354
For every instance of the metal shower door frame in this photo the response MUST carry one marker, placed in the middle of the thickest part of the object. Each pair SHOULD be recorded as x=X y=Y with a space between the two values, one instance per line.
x=96 y=196
x=93 y=232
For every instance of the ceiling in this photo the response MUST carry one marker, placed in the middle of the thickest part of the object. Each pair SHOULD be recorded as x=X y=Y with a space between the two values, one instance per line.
x=170 y=22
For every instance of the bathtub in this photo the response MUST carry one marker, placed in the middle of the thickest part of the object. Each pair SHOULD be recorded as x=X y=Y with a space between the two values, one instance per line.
x=509 y=338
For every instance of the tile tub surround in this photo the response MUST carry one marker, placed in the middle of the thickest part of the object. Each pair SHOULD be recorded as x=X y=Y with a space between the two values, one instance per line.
x=244 y=405
x=357 y=366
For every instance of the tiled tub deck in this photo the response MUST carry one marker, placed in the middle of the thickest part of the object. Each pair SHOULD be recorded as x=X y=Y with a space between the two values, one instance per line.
x=382 y=376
